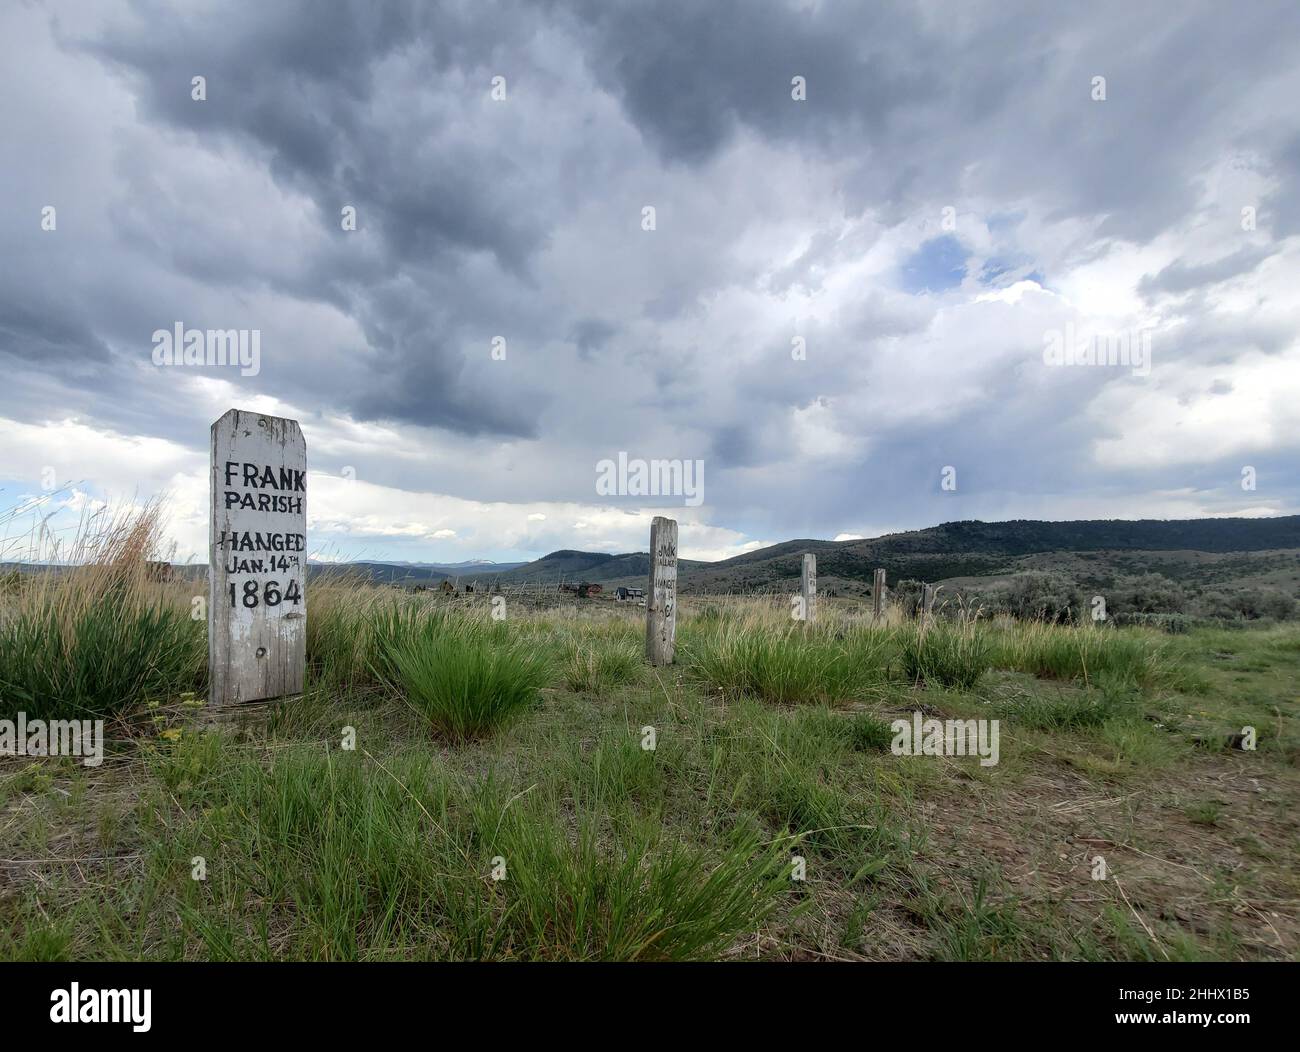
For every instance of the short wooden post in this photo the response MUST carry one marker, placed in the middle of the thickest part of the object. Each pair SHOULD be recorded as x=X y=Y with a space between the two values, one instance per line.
x=661 y=607
x=808 y=587
x=927 y=605
x=878 y=596
x=257 y=556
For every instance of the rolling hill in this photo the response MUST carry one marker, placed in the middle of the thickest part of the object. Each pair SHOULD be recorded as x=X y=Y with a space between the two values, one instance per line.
x=1196 y=551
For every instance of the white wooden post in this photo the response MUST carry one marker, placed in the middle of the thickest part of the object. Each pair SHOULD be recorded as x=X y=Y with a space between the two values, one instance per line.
x=878 y=596
x=257 y=555
x=661 y=608
x=808 y=587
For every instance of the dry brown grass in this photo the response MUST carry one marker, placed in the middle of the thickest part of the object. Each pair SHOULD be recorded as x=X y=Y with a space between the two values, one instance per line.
x=99 y=622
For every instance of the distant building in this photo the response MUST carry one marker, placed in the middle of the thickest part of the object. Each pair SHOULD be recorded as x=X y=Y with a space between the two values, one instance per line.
x=624 y=595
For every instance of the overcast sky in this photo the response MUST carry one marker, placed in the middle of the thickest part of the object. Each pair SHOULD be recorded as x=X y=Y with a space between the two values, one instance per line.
x=846 y=298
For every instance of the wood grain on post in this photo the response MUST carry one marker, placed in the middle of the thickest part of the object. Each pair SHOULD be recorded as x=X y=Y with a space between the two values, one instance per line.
x=927 y=604
x=257 y=555
x=661 y=605
x=878 y=596
x=808 y=587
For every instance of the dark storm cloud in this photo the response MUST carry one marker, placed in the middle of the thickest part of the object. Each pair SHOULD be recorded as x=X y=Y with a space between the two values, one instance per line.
x=738 y=446
x=921 y=93
x=1283 y=206
x=301 y=88
x=591 y=335
x=287 y=84
x=419 y=372
x=39 y=334
x=1182 y=277
x=690 y=74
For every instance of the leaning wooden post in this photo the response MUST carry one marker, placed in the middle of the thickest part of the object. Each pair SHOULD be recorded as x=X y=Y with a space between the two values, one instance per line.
x=878 y=596
x=257 y=553
x=808 y=587
x=661 y=609
x=927 y=604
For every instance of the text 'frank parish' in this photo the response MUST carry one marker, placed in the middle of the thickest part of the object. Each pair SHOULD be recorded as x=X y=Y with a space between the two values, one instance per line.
x=264 y=477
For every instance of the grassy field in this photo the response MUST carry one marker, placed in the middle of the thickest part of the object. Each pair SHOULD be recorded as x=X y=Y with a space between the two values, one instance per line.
x=499 y=801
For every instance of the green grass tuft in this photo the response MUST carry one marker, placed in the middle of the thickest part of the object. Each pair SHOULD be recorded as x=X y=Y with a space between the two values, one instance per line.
x=107 y=657
x=946 y=655
x=467 y=678
x=793 y=663
x=595 y=665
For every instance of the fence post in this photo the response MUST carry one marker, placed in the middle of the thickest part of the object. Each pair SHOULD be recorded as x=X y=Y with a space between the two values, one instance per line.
x=878 y=596
x=927 y=605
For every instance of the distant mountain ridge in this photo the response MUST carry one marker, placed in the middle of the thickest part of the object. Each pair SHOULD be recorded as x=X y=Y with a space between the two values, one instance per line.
x=599 y=567
x=1088 y=548
x=467 y=566
x=1196 y=551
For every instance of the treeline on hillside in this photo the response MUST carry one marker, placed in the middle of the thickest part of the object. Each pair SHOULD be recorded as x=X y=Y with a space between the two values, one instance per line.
x=1023 y=536
x=1148 y=598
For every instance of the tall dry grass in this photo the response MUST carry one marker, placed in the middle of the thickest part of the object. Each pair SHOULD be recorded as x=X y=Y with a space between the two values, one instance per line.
x=93 y=631
x=755 y=648
x=342 y=609
x=1080 y=652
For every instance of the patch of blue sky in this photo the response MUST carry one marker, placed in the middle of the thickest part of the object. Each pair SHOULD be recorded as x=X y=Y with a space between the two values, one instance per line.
x=936 y=266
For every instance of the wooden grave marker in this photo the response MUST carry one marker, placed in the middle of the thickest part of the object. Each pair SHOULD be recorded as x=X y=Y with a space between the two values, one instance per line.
x=257 y=554
x=661 y=604
x=808 y=587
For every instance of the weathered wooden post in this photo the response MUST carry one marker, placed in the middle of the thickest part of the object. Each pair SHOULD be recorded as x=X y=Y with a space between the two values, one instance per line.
x=257 y=553
x=808 y=587
x=878 y=596
x=661 y=609
x=927 y=604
